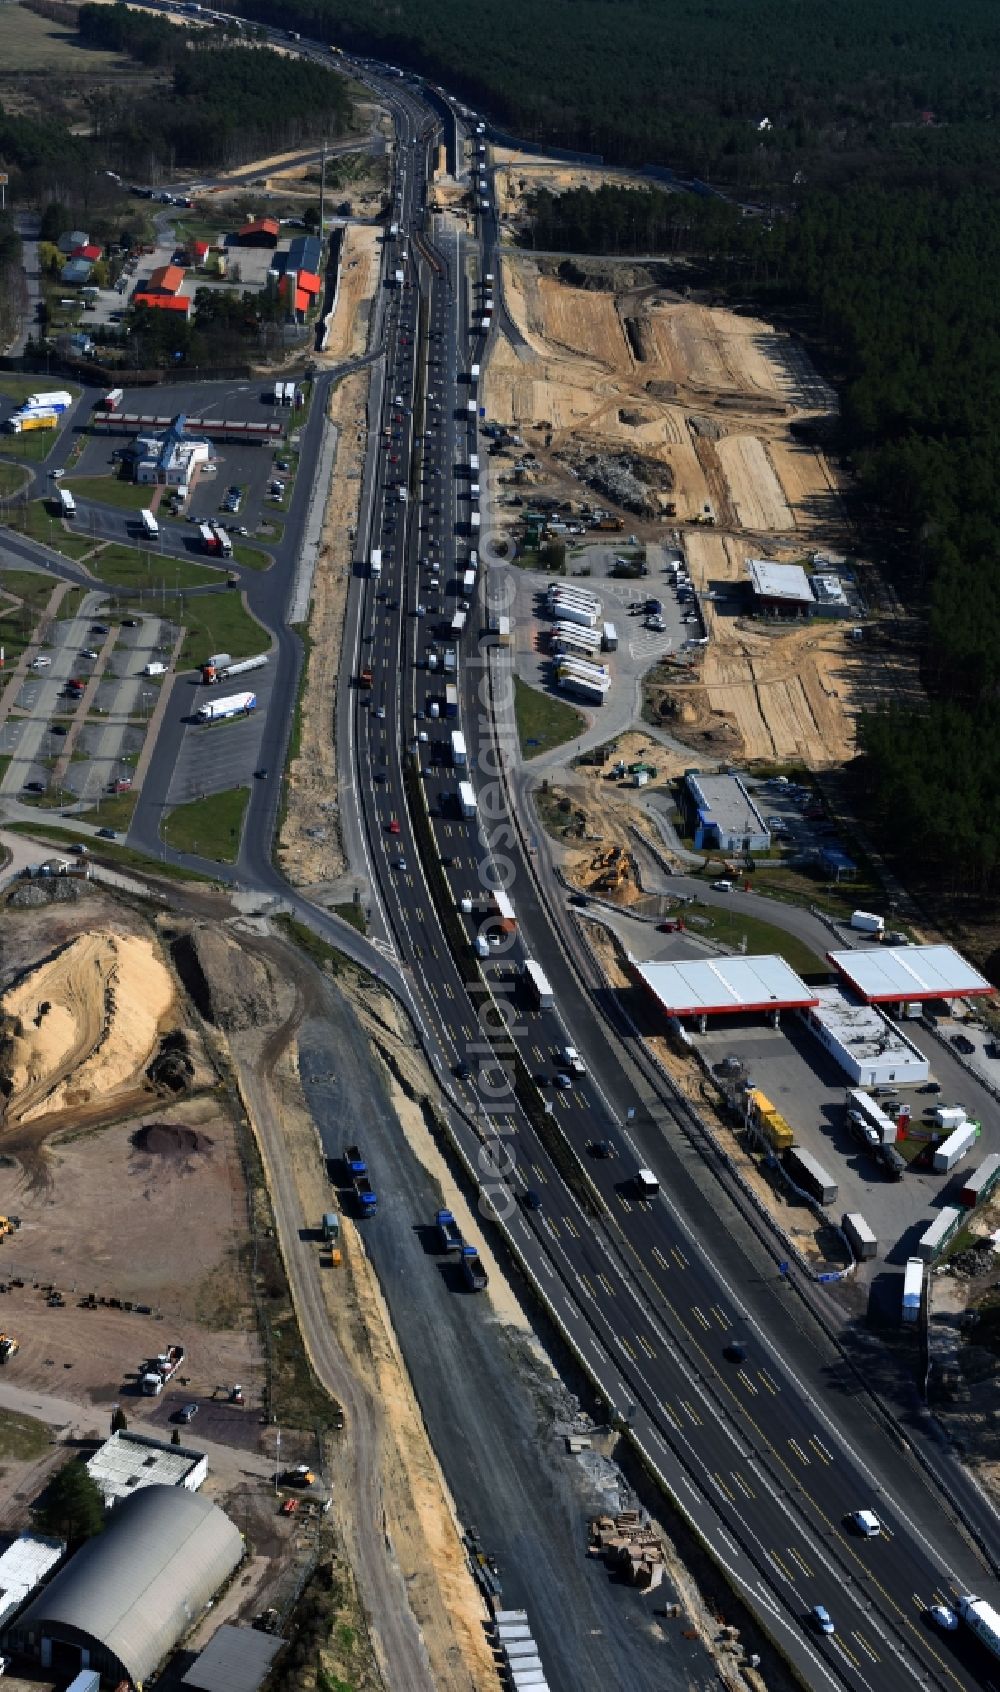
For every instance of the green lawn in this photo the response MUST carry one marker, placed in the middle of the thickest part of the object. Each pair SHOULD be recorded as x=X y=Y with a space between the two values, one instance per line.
x=127 y=567
x=543 y=722
x=40 y=521
x=217 y=622
x=121 y=857
x=210 y=827
x=732 y=925
x=109 y=490
x=19 y=387
x=22 y=1437
x=12 y=478
x=32 y=586
x=32 y=447
x=251 y=557
x=115 y=810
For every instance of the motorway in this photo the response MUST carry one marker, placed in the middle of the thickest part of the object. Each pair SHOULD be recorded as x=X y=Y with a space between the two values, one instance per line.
x=749 y=1450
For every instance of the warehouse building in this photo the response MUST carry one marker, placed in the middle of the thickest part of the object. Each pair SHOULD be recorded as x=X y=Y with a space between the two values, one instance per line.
x=698 y=988
x=23 y=1567
x=871 y=1051
x=721 y=813
x=133 y=1592
x=781 y=590
x=900 y=975
x=236 y=1659
x=127 y=1462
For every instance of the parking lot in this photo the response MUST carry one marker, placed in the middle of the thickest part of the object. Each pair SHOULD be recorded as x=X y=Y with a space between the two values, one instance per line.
x=251 y=466
x=83 y=747
x=215 y=756
x=807 y=1087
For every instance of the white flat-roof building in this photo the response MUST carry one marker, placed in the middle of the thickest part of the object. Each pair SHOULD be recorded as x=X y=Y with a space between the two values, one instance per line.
x=870 y=1049
x=704 y=987
x=783 y=586
x=129 y=1461
x=23 y=1567
x=899 y=974
x=721 y=813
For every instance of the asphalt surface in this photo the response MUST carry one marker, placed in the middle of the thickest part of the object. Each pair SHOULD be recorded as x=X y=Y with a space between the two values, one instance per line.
x=761 y=1464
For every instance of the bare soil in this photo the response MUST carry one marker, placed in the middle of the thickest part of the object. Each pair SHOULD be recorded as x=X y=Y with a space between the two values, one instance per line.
x=711 y=398
x=309 y=846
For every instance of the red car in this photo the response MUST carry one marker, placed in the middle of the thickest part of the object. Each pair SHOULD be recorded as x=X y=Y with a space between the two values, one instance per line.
x=394 y=826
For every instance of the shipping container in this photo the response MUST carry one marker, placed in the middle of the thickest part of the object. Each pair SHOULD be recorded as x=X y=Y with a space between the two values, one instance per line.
x=980 y=1184
x=807 y=1172
x=536 y=981
x=933 y=1241
x=860 y=1237
x=913 y=1289
x=951 y=1151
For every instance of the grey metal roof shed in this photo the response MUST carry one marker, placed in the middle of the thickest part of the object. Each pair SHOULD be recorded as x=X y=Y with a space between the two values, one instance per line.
x=133 y=1591
x=236 y=1659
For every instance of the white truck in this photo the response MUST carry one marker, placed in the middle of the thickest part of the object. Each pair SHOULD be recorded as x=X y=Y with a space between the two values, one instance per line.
x=572 y=1059
x=866 y=922
x=982 y=1620
x=67 y=504
x=234 y=705
x=241 y=667
x=467 y=800
x=459 y=756
x=913 y=1289
x=375 y=564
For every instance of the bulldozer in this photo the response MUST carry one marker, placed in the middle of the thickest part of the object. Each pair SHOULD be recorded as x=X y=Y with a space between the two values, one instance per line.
x=9 y=1225
x=9 y=1347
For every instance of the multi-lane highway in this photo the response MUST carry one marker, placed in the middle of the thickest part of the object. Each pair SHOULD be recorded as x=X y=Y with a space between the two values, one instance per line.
x=668 y=1314
x=749 y=1448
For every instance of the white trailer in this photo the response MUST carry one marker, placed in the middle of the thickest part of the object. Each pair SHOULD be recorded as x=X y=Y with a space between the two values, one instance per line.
x=225 y=545
x=234 y=705
x=934 y=1239
x=59 y=401
x=150 y=526
x=398 y=277
x=288 y=394
x=569 y=611
x=469 y=582
x=502 y=631
x=958 y=1145
x=609 y=637
x=474 y=373
x=466 y=800
x=573 y=596
x=459 y=755
x=860 y=1237
x=982 y=1620
x=594 y=693
x=279 y=393
x=537 y=983
x=375 y=564
x=242 y=667
x=913 y=1289
x=866 y=922
x=861 y=1102
x=457 y=624
x=67 y=504
x=573 y=637
x=587 y=669
x=473 y=463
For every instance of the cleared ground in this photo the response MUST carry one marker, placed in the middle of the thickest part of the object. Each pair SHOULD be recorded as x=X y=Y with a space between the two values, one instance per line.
x=702 y=402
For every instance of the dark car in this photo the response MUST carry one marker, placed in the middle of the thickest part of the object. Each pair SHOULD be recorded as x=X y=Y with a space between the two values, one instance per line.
x=462 y=1070
x=601 y=1148
x=130 y=622
x=962 y=1043
x=34 y=787
x=532 y=1200
x=735 y=1351
x=98 y=628
x=186 y=1413
x=107 y=834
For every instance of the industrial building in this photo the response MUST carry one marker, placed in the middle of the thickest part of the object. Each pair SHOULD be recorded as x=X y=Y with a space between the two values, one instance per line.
x=130 y=1594
x=722 y=814
x=871 y=1051
x=23 y=1567
x=127 y=1462
x=909 y=974
x=168 y=460
x=700 y=988
x=787 y=590
x=236 y=1659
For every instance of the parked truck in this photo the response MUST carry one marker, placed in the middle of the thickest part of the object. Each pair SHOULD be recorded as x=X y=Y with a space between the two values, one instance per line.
x=449 y=1232
x=59 y=401
x=113 y=399
x=473 y=1270
x=913 y=1289
x=808 y=1173
x=22 y=422
x=67 y=504
x=241 y=667
x=234 y=705
x=155 y=1372
x=958 y=1145
x=866 y=922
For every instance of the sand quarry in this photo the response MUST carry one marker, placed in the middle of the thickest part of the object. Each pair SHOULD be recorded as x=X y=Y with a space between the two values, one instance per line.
x=712 y=396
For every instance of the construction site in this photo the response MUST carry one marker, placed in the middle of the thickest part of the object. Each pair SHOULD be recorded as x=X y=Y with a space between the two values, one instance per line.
x=701 y=427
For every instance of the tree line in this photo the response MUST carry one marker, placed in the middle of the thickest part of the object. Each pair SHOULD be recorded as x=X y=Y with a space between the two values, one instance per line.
x=219 y=105
x=682 y=83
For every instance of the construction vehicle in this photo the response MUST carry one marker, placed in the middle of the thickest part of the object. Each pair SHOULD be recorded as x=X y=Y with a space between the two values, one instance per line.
x=364 y=1192
x=301 y=1475
x=8 y=1225
x=289 y=1506
x=9 y=1347
x=449 y=1232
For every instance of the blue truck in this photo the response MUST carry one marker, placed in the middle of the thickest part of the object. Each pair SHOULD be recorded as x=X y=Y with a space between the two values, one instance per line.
x=473 y=1270
x=449 y=1232
x=364 y=1193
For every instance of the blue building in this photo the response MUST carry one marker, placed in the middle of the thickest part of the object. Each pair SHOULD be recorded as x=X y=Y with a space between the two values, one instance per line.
x=721 y=814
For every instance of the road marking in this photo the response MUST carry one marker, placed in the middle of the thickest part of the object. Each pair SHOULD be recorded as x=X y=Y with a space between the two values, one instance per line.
x=772 y=1557
x=720 y=1316
x=623 y=1342
x=748 y=1491
x=678 y=1257
x=703 y=1319
x=588 y=1289
x=647 y=1348
x=864 y=1645
x=800 y=1560
x=659 y=1258
x=744 y=1380
x=696 y=1419
x=820 y=1449
x=724 y=1488
x=765 y=1379
x=800 y=1454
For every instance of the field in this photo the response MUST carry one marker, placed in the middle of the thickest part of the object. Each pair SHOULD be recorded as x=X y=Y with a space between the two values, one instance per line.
x=708 y=404
x=39 y=58
x=543 y=722
x=210 y=827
